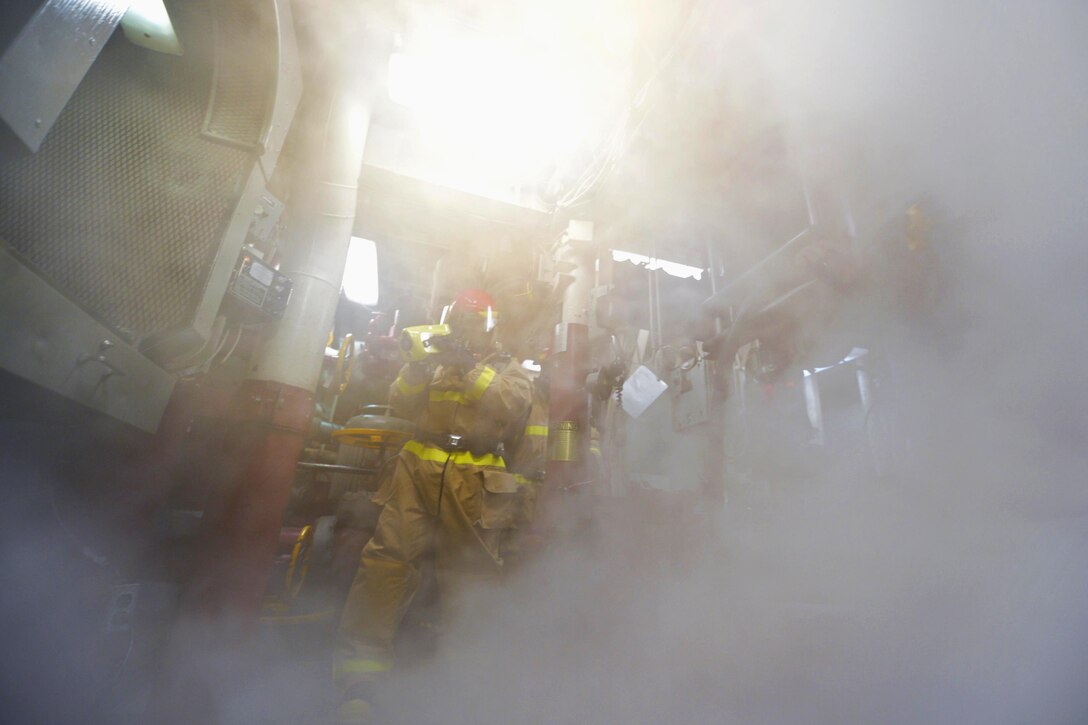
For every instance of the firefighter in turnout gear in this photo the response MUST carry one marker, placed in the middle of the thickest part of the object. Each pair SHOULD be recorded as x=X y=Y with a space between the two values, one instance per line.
x=450 y=492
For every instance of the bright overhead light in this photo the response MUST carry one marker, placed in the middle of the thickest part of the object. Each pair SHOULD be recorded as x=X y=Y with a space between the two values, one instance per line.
x=676 y=269
x=361 y=272
x=509 y=116
x=503 y=103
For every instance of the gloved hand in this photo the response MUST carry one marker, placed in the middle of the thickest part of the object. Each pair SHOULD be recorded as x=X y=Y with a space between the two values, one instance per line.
x=458 y=358
x=419 y=371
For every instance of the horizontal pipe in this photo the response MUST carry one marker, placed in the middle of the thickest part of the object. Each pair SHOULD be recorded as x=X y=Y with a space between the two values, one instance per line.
x=335 y=468
x=726 y=343
x=760 y=278
x=323 y=429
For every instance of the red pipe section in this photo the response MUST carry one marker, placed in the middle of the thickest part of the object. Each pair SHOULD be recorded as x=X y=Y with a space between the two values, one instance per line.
x=243 y=517
x=568 y=403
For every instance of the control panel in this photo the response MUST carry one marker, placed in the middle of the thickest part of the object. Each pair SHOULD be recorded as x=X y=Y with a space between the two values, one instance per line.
x=257 y=291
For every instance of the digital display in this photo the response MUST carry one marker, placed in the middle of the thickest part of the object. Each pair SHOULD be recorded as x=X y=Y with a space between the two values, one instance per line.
x=261 y=273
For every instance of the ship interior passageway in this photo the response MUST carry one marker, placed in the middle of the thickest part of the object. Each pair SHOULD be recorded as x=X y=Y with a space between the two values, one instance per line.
x=404 y=362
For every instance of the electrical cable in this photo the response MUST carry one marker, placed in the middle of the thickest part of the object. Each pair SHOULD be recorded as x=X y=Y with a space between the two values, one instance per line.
x=442 y=481
x=207 y=363
x=237 y=339
x=195 y=368
x=218 y=328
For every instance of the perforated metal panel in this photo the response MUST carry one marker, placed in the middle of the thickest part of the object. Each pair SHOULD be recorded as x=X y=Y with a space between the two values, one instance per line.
x=125 y=226
x=124 y=206
x=241 y=91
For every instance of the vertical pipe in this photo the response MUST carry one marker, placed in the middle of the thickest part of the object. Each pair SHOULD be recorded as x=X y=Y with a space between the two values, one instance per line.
x=717 y=392
x=275 y=403
x=849 y=223
x=810 y=202
x=568 y=415
x=871 y=425
x=712 y=270
x=813 y=406
x=318 y=235
x=271 y=413
x=569 y=366
x=655 y=312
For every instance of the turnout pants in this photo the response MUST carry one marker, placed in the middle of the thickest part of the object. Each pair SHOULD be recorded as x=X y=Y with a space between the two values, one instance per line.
x=456 y=504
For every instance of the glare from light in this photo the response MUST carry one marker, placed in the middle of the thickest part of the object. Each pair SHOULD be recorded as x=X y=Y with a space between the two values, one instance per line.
x=490 y=106
x=675 y=269
x=503 y=117
x=854 y=354
x=361 y=272
x=147 y=23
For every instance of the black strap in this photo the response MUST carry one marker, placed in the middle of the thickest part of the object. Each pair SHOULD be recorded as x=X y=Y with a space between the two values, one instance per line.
x=442 y=487
x=475 y=446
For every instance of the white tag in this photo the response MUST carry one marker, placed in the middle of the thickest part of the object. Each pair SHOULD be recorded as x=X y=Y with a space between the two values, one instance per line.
x=640 y=390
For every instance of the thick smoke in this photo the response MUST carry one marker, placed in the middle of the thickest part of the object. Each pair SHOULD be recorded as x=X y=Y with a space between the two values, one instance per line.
x=951 y=591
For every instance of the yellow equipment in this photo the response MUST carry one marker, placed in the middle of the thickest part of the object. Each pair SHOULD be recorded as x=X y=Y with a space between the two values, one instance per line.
x=422 y=341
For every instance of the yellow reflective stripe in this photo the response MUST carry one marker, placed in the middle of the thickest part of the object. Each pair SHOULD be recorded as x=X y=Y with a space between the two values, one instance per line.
x=438 y=396
x=595 y=450
x=474 y=393
x=359 y=667
x=433 y=453
x=406 y=389
x=522 y=480
x=477 y=390
x=536 y=430
x=425 y=452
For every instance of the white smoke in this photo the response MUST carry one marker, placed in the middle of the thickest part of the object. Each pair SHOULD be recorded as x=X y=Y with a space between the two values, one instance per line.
x=954 y=592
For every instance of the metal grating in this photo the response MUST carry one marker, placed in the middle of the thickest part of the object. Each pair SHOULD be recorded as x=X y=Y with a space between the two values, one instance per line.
x=124 y=205
x=244 y=79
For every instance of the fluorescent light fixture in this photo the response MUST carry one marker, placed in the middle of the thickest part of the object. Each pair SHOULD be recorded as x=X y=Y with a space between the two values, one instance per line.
x=147 y=24
x=361 y=272
x=676 y=269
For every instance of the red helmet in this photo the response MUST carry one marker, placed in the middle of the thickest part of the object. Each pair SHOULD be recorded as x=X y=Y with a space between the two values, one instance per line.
x=473 y=310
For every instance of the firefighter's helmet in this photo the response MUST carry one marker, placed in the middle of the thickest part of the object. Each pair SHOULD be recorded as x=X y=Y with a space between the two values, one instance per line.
x=473 y=311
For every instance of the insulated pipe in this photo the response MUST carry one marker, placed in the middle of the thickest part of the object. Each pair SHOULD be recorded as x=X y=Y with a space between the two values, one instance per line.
x=271 y=415
x=570 y=346
x=318 y=235
x=714 y=458
x=762 y=279
x=577 y=296
x=568 y=412
x=276 y=402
